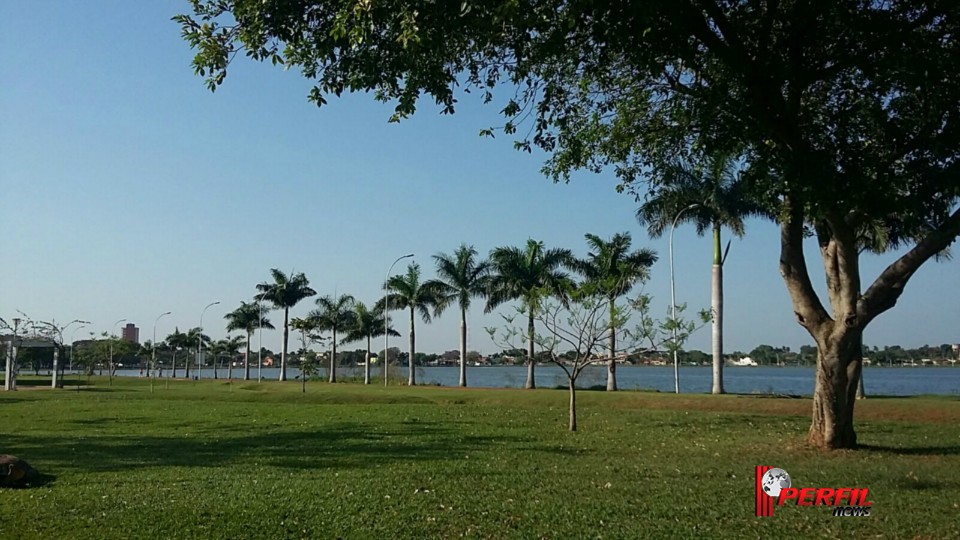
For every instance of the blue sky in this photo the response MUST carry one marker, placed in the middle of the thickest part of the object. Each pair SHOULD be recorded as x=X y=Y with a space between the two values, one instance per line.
x=128 y=190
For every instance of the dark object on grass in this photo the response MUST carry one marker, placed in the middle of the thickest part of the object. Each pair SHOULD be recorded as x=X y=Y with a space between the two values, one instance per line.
x=15 y=472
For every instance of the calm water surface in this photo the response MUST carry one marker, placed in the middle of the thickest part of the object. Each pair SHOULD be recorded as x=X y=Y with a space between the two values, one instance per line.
x=742 y=380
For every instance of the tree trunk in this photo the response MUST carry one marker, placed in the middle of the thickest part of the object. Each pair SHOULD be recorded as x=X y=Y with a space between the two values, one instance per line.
x=573 y=404
x=229 y=368
x=10 y=378
x=174 y=366
x=186 y=364
x=246 y=359
x=412 y=381
x=366 y=365
x=612 y=363
x=531 y=380
x=8 y=374
x=716 y=306
x=838 y=370
x=333 y=359
x=56 y=358
x=286 y=335
x=15 y=370
x=463 y=347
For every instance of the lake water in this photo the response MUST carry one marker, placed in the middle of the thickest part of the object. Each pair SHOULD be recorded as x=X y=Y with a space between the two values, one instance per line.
x=878 y=381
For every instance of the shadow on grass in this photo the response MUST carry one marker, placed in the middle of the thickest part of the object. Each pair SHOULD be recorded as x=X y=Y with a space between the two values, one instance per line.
x=768 y=395
x=345 y=445
x=913 y=451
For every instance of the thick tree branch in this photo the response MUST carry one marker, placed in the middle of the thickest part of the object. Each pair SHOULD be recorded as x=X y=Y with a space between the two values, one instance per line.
x=887 y=288
x=845 y=292
x=807 y=307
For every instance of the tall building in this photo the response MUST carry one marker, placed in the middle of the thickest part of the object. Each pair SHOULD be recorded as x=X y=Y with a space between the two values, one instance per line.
x=131 y=333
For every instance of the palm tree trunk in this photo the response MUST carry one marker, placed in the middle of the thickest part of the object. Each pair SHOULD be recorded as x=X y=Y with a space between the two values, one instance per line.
x=283 y=352
x=531 y=380
x=716 y=305
x=413 y=353
x=333 y=359
x=463 y=347
x=246 y=359
x=612 y=364
x=366 y=366
x=173 y=374
x=186 y=364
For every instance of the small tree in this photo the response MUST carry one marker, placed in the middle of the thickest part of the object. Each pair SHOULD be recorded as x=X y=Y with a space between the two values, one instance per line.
x=309 y=361
x=573 y=336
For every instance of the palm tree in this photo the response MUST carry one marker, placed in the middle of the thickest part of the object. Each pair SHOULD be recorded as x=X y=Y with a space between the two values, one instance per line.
x=229 y=347
x=367 y=324
x=711 y=195
x=285 y=293
x=334 y=314
x=461 y=278
x=146 y=352
x=405 y=291
x=247 y=319
x=193 y=340
x=176 y=341
x=529 y=275
x=613 y=269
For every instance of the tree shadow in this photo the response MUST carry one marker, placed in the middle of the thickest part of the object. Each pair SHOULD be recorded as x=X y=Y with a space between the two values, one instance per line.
x=344 y=445
x=767 y=395
x=953 y=450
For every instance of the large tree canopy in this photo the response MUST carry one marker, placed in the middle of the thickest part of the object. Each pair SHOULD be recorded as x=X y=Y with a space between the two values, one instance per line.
x=845 y=113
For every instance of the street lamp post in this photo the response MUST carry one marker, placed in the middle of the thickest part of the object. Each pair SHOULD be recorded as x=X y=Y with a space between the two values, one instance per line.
x=200 y=338
x=72 y=336
x=56 y=355
x=153 y=346
x=110 y=366
x=386 y=318
x=673 y=303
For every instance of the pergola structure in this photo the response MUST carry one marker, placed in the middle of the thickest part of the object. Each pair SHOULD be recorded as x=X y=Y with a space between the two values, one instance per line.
x=13 y=344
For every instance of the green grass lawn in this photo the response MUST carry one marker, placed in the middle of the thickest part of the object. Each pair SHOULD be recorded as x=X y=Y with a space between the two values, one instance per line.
x=214 y=460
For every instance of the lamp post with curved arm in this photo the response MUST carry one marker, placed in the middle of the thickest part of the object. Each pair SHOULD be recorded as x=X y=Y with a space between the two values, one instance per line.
x=54 y=383
x=673 y=302
x=110 y=366
x=386 y=318
x=153 y=346
x=200 y=338
x=72 y=340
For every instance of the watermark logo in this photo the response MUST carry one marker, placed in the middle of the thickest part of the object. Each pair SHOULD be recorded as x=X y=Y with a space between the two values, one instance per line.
x=774 y=488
